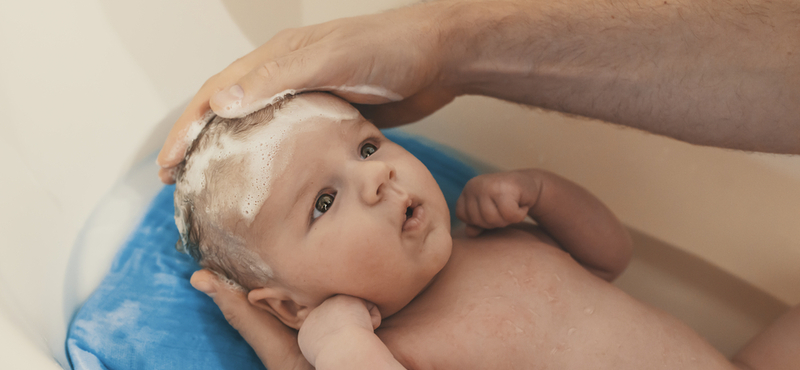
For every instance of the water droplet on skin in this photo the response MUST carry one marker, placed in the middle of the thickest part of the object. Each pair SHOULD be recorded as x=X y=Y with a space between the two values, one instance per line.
x=516 y=328
x=549 y=297
x=557 y=277
x=553 y=351
x=589 y=310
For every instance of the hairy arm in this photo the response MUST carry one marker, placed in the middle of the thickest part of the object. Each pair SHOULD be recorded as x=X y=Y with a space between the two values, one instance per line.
x=713 y=72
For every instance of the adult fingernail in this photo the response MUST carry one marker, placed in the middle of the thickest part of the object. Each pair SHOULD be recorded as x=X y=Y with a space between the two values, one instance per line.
x=229 y=99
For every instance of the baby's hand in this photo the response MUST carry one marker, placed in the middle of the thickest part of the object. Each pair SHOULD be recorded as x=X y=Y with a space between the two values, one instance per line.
x=339 y=322
x=496 y=200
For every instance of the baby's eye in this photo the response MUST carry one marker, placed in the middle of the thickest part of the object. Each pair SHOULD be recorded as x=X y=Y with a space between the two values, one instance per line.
x=323 y=204
x=368 y=150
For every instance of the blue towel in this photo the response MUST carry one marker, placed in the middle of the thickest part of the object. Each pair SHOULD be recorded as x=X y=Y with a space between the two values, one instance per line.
x=146 y=315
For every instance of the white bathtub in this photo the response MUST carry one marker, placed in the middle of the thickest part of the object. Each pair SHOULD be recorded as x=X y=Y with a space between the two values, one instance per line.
x=90 y=88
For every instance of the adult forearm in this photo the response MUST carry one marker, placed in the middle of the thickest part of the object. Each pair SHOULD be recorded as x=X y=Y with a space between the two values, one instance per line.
x=723 y=73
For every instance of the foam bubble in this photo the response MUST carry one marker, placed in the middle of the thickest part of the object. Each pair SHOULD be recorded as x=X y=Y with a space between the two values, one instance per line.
x=368 y=90
x=237 y=110
x=195 y=127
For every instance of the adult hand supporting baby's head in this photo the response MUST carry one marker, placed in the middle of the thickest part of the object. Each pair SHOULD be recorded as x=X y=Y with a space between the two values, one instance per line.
x=391 y=66
x=274 y=343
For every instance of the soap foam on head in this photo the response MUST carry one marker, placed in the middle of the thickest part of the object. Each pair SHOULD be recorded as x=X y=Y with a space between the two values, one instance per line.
x=235 y=109
x=264 y=153
x=195 y=127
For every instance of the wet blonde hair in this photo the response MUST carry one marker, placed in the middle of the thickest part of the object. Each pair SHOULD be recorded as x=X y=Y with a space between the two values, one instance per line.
x=216 y=241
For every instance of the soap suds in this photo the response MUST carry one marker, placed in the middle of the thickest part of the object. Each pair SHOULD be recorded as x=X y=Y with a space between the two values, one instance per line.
x=189 y=134
x=368 y=90
x=197 y=126
x=263 y=152
x=235 y=109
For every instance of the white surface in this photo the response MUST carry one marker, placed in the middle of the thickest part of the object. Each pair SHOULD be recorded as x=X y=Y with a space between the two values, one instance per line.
x=82 y=85
x=87 y=88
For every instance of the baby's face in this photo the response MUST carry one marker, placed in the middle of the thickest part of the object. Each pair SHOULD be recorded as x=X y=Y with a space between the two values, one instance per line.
x=352 y=213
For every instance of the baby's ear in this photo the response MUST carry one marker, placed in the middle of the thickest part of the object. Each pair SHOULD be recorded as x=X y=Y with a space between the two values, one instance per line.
x=278 y=301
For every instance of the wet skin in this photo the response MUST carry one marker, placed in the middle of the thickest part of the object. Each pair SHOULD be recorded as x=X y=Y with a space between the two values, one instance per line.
x=512 y=299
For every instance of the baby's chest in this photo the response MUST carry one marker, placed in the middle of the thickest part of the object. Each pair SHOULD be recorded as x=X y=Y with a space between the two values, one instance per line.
x=499 y=313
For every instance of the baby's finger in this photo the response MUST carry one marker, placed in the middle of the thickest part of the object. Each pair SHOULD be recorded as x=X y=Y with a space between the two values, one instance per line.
x=461 y=208
x=510 y=210
x=489 y=213
x=474 y=213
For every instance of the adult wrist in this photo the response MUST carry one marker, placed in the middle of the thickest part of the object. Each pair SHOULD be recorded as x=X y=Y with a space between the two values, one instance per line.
x=482 y=43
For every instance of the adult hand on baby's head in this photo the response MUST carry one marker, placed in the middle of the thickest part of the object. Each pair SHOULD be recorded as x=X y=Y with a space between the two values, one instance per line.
x=390 y=65
x=495 y=200
x=334 y=321
x=274 y=343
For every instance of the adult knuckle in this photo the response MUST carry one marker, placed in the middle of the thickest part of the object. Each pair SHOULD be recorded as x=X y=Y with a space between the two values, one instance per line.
x=291 y=38
x=268 y=70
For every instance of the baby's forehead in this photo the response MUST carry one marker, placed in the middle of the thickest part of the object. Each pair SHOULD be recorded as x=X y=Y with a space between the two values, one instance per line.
x=245 y=166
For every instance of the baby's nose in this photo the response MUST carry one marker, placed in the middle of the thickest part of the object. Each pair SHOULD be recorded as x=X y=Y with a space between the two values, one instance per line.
x=378 y=178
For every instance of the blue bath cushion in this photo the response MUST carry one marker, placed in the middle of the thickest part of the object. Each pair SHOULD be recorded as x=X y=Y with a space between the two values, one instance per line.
x=146 y=315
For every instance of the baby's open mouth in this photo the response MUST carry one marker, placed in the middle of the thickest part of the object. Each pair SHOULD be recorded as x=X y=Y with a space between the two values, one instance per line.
x=414 y=216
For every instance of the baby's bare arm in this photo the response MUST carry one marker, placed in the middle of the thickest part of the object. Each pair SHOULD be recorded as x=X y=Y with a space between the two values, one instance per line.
x=575 y=218
x=581 y=224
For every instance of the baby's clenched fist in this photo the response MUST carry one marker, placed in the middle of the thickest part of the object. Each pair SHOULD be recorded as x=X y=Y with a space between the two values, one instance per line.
x=497 y=200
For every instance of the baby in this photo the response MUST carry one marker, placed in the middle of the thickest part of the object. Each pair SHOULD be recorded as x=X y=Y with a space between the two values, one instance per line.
x=345 y=236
